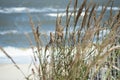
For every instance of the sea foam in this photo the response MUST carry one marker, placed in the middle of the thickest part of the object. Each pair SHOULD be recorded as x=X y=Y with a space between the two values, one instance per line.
x=8 y=32
x=41 y=10
x=18 y=54
x=21 y=55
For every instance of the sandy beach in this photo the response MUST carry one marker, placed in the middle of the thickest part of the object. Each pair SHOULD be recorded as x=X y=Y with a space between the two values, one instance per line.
x=10 y=72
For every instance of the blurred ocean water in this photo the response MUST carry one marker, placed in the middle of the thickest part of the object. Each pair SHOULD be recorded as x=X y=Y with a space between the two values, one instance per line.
x=14 y=21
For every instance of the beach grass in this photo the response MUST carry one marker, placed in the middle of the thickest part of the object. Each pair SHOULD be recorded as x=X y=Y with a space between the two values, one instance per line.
x=81 y=47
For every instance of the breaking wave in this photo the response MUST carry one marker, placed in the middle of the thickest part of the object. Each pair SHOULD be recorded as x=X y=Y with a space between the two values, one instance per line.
x=40 y=10
x=8 y=32
x=28 y=10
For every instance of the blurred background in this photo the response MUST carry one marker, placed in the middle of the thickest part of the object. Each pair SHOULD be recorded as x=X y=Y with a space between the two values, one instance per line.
x=14 y=22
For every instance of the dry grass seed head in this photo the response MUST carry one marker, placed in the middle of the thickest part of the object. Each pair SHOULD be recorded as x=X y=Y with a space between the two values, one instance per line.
x=80 y=11
x=52 y=37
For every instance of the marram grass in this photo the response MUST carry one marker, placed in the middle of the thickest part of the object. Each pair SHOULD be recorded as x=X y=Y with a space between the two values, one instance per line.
x=81 y=48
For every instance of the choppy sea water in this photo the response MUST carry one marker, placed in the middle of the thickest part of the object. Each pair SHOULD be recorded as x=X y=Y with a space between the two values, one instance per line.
x=14 y=23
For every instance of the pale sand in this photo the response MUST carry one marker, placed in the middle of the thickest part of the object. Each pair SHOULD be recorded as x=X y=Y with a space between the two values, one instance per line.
x=10 y=72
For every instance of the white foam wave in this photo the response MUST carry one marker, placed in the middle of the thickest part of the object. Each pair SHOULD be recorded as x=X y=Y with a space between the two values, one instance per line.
x=8 y=32
x=83 y=13
x=14 y=52
x=28 y=10
x=62 y=14
x=108 y=8
x=13 y=10
x=13 y=32
x=39 y=10
x=19 y=55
